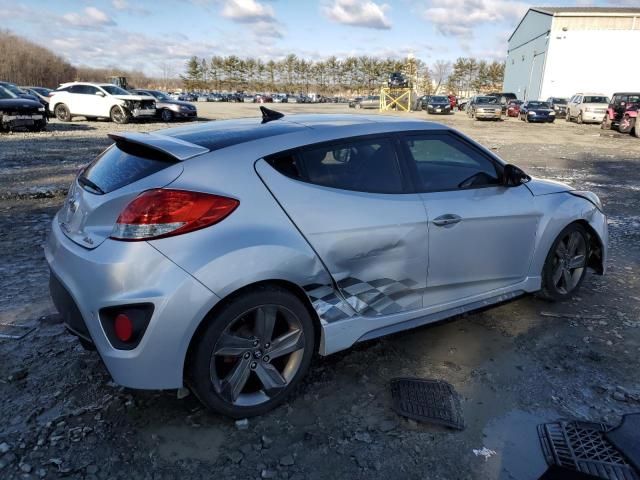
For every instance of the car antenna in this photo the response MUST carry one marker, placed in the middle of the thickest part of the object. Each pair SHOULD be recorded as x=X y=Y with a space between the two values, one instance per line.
x=268 y=115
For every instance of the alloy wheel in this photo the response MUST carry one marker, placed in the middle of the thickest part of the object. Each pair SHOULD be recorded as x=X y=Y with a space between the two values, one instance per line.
x=257 y=355
x=570 y=260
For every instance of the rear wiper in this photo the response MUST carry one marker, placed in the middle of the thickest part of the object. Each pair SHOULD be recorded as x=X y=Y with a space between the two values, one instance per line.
x=85 y=182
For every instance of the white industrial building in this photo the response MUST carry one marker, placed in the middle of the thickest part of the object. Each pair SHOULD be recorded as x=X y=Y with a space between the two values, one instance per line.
x=559 y=51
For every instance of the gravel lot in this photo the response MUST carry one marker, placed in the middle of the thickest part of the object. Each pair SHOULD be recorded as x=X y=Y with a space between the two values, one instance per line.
x=515 y=366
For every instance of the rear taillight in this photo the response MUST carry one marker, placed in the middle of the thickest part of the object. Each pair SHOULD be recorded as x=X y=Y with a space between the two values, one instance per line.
x=164 y=213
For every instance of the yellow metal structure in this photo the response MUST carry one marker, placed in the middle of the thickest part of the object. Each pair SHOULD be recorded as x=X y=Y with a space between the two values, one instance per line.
x=395 y=99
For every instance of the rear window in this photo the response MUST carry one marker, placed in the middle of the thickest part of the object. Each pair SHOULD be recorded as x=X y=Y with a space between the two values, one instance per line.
x=596 y=99
x=116 y=168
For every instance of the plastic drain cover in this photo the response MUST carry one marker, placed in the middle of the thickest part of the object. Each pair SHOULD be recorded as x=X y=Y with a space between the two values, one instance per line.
x=582 y=446
x=433 y=401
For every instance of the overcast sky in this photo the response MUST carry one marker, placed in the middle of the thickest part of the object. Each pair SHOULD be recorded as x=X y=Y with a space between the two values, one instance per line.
x=145 y=34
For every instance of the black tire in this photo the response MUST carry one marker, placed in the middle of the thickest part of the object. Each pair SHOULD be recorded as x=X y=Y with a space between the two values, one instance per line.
x=625 y=125
x=636 y=128
x=62 y=113
x=568 y=117
x=579 y=119
x=550 y=288
x=166 y=115
x=38 y=126
x=606 y=122
x=201 y=367
x=119 y=115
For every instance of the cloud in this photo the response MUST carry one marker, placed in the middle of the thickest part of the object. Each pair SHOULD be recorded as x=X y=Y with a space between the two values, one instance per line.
x=90 y=17
x=247 y=11
x=359 y=13
x=125 y=7
x=459 y=18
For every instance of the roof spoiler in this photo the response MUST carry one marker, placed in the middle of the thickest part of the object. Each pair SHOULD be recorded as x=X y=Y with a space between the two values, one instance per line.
x=269 y=115
x=168 y=146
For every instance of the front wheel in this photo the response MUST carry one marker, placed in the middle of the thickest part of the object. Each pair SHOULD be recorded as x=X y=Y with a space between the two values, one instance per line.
x=166 y=115
x=119 y=115
x=606 y=122
x=625 y=124
x=568 y=117
x=579 y=119
x=252 y=353
x=566 y=264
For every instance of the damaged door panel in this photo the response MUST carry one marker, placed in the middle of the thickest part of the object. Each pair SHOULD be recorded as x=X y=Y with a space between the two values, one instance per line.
x=348 y=201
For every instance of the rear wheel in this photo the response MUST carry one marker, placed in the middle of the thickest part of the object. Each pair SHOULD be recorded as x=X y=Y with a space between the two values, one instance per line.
x=253 y=353
x=62 y=113
x=566 y=263
x=625 y=124
x=119 y=115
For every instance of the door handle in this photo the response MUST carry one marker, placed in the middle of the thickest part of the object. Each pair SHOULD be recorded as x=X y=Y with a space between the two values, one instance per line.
x=446 y=220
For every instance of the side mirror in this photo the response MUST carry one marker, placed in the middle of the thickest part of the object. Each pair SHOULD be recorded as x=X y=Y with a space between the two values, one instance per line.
x=100 y=94
x=513 y=176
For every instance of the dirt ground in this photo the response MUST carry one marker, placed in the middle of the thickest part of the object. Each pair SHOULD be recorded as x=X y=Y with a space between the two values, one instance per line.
x=515 y=366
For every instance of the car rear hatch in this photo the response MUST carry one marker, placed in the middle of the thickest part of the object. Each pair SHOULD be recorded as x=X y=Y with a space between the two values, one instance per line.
x=135 y=163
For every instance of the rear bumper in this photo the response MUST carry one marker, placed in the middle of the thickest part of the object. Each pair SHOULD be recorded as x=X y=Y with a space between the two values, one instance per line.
x=125 y=273
x=487 y=115
x=592 y=117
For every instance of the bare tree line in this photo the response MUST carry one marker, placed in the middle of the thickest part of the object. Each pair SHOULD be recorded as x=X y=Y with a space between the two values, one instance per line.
x=25 y=63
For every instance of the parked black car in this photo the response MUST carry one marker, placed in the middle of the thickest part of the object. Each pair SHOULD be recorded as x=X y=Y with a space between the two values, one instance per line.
x=167 y=108
x=535 y=111
x=353 y=102
x=397 y=80
x=18 y=112
x=436 y=104
x=559 y=106
x=42 y=94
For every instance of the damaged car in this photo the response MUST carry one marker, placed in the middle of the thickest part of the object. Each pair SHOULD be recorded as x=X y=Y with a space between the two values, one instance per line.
x=18 y=112
x=168 y=108
x=223 y=256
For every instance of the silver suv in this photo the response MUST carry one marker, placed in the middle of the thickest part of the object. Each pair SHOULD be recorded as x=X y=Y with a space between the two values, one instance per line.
x=223 y=256
x=587 y=107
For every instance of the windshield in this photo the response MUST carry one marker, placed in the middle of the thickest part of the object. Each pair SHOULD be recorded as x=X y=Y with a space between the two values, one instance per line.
x=6 y=94
x=560 y=101
x=538 y=105
x=14 y=89
x=438 y=99
x=42 y=91
x=596 y=99
x=156 y=94
x=113 y=90
x=491 y=100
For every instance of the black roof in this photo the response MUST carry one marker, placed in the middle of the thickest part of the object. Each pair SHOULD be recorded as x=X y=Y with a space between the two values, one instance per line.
x=216 y=134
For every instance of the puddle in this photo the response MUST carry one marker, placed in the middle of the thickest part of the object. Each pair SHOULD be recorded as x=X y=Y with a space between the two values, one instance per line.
x=514 y=438
x=185 y=443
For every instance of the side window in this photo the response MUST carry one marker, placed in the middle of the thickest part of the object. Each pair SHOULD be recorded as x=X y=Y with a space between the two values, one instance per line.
x=75 y=89
x=90 y=90
x=579 y=99
x=444 y=162
x=362 y=165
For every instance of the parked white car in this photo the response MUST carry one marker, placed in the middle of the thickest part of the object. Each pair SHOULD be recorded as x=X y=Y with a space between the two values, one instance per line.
x=587 y=107
x=99 y=100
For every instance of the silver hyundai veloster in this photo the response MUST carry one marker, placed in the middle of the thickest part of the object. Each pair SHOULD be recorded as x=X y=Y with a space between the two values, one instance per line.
x=223 y=256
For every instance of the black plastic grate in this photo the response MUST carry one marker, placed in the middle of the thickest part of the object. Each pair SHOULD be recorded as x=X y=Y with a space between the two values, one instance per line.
x=581 y=446
x=433 y=401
